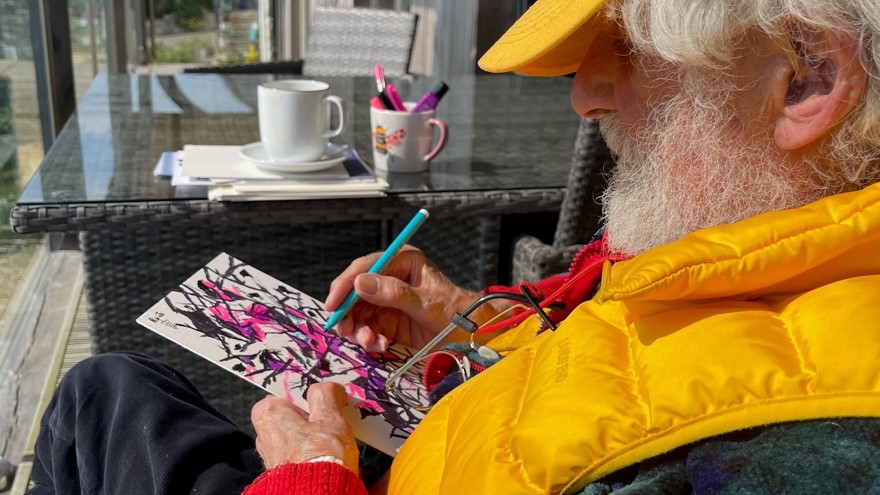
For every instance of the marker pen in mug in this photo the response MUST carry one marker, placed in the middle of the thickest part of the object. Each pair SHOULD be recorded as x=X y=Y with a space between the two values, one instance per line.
x=386 y=102
x=430 y=99
x=379 y=73
x=394 y=97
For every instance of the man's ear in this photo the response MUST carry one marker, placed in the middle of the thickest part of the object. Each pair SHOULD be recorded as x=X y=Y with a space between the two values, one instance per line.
x=825 y=83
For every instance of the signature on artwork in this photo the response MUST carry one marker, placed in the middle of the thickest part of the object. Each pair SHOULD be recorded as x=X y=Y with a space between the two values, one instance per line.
x=160 y=319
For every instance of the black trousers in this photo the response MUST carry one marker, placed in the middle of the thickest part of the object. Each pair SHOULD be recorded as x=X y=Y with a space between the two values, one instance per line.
x=124 y=423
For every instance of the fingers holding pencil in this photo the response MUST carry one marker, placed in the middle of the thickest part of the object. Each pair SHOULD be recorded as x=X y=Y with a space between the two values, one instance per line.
x=409 y=303
x=381 y=262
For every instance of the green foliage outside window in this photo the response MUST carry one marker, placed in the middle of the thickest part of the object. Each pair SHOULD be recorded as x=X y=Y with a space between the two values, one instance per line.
x=185 y=51
x=189 y=13
x=5 y=107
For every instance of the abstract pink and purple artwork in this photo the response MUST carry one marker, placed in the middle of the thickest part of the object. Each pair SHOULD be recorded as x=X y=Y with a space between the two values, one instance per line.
x=272 y=335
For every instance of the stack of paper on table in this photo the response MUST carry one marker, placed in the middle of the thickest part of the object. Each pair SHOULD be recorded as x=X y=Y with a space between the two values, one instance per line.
x=233 y=178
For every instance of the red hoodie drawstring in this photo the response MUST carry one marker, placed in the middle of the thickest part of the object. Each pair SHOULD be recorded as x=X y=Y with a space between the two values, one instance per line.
x=594 y=268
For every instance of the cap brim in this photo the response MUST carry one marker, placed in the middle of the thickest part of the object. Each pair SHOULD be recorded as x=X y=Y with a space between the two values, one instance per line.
x=546 y=41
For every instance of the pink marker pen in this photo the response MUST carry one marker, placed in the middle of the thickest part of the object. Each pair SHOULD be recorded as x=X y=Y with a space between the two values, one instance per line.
x=379 y=72
x=394 y=96
x=431 y=98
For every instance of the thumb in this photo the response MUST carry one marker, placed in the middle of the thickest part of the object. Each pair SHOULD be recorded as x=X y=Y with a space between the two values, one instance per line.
x=326 y=401
x=388 y=292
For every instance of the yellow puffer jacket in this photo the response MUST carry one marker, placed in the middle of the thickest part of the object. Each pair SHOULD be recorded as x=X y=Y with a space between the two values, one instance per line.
x=774 y=318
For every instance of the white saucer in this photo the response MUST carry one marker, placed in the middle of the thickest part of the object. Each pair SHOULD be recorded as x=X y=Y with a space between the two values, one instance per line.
x=256 y=153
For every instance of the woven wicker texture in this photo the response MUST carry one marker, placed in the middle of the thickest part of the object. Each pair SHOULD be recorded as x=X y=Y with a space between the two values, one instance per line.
x=350 y=41
x=579 y=215
x=465 y=248
x=94 y=217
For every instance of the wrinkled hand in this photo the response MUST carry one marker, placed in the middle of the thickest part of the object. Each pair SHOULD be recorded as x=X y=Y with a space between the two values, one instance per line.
x=410 y=303
x=286 y=434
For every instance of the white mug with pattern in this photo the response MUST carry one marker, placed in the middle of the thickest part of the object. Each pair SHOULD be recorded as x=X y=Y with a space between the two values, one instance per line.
x=404 y=141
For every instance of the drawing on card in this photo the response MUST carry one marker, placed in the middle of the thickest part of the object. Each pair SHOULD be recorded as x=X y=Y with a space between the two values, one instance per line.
x=272 y=335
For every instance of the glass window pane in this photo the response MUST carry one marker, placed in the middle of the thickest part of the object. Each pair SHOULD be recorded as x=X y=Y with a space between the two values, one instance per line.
x=21 y=144
x=21 y=151
x=88 y=39
x=185 y=33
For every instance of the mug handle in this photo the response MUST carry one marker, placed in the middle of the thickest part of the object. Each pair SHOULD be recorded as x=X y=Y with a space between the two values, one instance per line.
x=443 y=137
x=343 y=116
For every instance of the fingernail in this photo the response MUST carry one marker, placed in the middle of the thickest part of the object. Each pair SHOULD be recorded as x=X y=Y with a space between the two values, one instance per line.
x=367 y=284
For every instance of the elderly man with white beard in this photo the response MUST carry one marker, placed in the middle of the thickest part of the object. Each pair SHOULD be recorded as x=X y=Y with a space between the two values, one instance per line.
x=745 y=290
x=723 y=334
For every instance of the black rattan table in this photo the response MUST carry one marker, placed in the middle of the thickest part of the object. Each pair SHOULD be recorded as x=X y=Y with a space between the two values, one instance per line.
x=509 y=151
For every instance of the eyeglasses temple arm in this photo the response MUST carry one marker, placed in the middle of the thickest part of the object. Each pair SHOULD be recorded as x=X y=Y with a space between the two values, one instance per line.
x=536 y=305
x=424 y=350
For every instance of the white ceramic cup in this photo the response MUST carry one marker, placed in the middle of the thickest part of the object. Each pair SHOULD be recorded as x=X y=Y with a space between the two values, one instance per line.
x=403 y=141
x=294 y=118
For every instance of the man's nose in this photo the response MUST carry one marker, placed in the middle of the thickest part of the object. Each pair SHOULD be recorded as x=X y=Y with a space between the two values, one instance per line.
x=593 y=89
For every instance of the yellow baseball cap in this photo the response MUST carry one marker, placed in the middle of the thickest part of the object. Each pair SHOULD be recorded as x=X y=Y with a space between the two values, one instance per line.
x=546 y=41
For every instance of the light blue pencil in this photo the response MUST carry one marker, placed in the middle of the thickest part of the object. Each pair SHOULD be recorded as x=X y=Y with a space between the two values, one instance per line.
x=417 y=220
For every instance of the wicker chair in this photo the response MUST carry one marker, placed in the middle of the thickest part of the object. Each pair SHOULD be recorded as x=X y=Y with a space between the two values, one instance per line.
x=579 y=215
x=343 y=42
x=350 y=41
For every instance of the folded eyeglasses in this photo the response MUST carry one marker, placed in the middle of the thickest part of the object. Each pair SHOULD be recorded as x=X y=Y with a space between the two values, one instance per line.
x=415 y=390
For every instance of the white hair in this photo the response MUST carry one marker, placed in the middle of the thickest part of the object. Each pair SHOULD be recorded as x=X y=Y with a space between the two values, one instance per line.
x=703 y=34
x=691 y=166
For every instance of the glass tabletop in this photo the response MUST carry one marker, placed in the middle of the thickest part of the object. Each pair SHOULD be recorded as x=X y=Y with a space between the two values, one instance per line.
x=506 y=132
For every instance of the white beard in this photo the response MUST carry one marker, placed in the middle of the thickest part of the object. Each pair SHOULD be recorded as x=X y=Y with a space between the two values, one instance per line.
x=690 y=170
